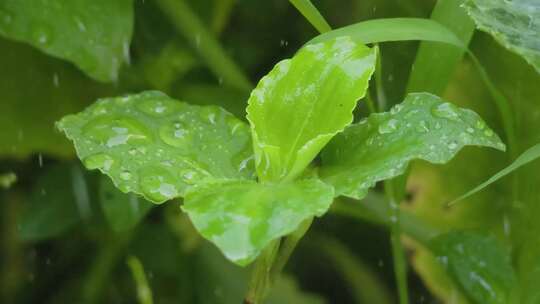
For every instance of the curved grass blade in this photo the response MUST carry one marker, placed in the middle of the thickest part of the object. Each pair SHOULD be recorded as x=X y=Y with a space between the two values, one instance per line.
x=311 y=13
x=144 y=293
x=528 y=156
x=394 y=29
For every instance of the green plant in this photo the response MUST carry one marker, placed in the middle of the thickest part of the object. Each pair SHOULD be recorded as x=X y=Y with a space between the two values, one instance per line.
x=253 y=184
x=245 y=191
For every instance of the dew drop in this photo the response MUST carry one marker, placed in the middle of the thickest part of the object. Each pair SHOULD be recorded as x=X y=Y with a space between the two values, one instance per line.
x=175 y=134
x=446 y=110
x=422 y=127
x=470 y=130
x=99 y=161
x=156 y=105
x=452 y=145
x=114 y=131
x=42 y=35
x=125 y=175
x=480 y=125
x=396 y=109
x=388 y=126
x=157 y=183
x=488 y=133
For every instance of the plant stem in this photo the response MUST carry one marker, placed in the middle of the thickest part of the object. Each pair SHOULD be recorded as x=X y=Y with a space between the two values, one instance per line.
x=398 y=254
x=260 y=278
x=288 y=244
x=204 y=43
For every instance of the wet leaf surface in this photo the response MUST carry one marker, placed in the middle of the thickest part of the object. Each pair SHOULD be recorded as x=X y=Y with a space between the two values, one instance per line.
x=95 y=35
x=304 y=101
x=514 y=24
x=158 y=147
x=381 y=146
x=243 y=217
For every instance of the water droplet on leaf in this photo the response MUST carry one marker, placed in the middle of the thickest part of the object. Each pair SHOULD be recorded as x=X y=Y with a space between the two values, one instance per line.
x=446 y=110
x=389 y=126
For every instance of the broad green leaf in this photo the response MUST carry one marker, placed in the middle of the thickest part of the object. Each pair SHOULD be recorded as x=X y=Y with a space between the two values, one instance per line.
x=381 y=146
x=155 y=146
x=51 y=207
x=479 y=264
x=93 y=34
x=514 y=24
x=310 y=12
x=393 y=29
x=304 y=101
x=528 y=156
x=32 y=99
x=242 y=217
x=123 y=211
x=7 y=180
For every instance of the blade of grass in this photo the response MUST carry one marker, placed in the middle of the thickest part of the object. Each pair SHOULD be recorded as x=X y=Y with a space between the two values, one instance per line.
x=312 y=14
x=436 y=62
x=204 y=43
x=526 y=157
x=144 y=293
x=394 y=29
x=221 y=15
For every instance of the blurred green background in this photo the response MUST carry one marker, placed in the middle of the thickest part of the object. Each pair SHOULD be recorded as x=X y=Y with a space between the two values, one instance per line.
x=66 y=233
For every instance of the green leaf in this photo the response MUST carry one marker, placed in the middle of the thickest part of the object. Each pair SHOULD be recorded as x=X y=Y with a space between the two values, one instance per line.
x=514 y=24
x=123 y=211
x=304 y=101
x=155 y=146
x=93 y=34
x=381 y=146
x=528 y=156
x=242 y=217
x=51 y=207
x=393 y=29
x=312 y=14
x=479 y=264
x=34 y=98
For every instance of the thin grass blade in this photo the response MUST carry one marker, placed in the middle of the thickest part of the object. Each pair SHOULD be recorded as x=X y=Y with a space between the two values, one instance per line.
x=528 y=156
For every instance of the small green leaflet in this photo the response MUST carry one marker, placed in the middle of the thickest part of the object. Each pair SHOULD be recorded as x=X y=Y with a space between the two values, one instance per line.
x=158 y=147
x=93 y=34
x=514 y=24
x=381 y=146
x=243 y=217
x=478 y=263
x=303 y=102
x=528 y=156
